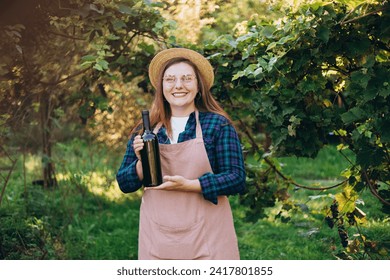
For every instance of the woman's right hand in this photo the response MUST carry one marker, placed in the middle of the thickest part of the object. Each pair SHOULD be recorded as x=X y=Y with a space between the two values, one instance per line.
x=138 y=145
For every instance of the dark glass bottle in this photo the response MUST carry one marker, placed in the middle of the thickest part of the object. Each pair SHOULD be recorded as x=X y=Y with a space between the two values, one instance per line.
x=150 y=155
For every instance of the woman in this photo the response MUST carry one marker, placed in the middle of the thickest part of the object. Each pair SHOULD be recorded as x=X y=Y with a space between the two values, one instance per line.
x=188 y=216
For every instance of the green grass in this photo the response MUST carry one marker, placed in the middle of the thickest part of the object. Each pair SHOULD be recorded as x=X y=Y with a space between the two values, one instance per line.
x=326 y=166
x=88 y=217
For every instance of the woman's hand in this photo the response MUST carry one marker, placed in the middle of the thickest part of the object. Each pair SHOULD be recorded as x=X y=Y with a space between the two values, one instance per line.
x=178 y=183
x=138 y=145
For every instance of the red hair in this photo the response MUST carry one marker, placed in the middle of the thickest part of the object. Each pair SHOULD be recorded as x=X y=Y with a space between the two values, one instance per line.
x=161 y=110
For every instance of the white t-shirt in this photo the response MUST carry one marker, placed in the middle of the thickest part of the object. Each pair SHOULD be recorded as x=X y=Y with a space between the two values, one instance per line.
x=178 y=126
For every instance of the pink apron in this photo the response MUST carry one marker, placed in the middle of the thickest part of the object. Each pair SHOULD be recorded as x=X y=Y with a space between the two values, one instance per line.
x=183 y=225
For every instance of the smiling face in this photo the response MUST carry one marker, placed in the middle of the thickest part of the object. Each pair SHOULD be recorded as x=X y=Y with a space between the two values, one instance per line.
x=180 y=87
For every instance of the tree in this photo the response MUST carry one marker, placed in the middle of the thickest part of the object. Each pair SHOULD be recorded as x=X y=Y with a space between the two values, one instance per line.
x=319 y=70
x=198 y=22
x=41 y=77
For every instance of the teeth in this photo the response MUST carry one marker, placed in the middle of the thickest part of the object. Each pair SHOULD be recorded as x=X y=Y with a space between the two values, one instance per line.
x=179 y=94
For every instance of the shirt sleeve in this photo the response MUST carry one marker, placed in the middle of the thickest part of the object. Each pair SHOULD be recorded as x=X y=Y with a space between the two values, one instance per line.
x=127 y=177
x=229 y=174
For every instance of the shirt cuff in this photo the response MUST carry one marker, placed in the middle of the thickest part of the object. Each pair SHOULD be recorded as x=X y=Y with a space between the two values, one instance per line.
x=128 y=179
x=208 y=187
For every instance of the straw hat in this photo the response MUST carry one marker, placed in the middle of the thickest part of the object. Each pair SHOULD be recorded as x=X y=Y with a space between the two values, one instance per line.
x=204 y=66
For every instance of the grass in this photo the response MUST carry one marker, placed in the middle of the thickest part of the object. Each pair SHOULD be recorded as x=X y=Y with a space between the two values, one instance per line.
x=88 y=217
x=306 y=236
x=326 y=166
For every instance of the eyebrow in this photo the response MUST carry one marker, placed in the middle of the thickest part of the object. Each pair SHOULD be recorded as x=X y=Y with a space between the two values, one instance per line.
x=181 y=75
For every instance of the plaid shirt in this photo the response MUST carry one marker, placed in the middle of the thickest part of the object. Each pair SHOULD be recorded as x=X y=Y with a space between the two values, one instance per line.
x=223 y=150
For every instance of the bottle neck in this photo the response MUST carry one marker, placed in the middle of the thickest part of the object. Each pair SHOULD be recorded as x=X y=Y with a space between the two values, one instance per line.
x=146 y=121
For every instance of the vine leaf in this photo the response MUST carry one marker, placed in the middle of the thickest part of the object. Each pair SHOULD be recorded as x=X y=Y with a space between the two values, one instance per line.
x=346 y=200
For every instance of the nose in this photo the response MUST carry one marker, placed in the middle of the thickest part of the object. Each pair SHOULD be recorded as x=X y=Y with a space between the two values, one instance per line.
x=179 y=83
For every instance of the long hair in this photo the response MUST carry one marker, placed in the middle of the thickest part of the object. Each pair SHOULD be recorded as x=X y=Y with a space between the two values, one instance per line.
x=204 y=101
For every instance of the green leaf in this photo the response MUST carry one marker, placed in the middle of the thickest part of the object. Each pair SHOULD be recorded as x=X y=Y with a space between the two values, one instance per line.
x=247 y=37
x=361 y=78
x=384 y=92
x=155 y=4
x=88 y=58
x=238 y=75
x=369 y=156
x=101 y=65
x=369 y=61
x=323 y=33
x=124 y=9
x=353 y=115
x=358 y=47
x=147 y=48
x=369 y=94
x=86 y=64
x=118 y=24
x=112 y=37
x=121 y=60
x=258 y=71
x=271 y=46
x=346 y=200
x=250 y=69
x=383 y=126
x=286 y=39
x=268 y=31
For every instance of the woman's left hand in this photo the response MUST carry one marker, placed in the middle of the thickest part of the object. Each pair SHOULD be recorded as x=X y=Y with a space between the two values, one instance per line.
x=178 y=183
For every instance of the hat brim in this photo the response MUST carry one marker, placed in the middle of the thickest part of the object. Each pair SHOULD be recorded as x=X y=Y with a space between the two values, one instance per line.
x=203 y=65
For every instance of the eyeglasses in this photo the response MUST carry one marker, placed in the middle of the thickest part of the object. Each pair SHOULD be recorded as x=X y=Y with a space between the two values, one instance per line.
x=186 y=79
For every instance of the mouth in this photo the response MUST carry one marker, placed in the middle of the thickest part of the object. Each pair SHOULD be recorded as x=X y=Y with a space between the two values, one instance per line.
x=179 y=94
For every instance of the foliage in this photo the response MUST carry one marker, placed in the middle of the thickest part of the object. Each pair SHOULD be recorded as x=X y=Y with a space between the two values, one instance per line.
x=88 y=217
x=197 y=22
x=121 y=44
x=45 y=94
x=317 y=75
x=319 y=70
x=101 y=33
x=113 y=127
x=62 y=223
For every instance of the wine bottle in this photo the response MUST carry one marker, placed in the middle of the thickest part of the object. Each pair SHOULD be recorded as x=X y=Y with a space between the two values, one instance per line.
x=150 y=155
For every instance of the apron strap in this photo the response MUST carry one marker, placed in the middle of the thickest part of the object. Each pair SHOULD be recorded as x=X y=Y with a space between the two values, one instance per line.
x=199 y=133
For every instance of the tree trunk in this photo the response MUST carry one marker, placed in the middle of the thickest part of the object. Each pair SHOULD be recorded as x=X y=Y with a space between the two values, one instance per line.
x=49 y=179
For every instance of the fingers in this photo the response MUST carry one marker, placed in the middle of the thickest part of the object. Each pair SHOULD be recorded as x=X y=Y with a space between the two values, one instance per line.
x=172 y=183
x=172 y=178
x=167 y=178
x=163 y=186
x=138 y=145
x=168 y=186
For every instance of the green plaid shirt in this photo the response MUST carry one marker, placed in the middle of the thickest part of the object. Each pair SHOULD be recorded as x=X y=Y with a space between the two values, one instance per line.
x=223 y=150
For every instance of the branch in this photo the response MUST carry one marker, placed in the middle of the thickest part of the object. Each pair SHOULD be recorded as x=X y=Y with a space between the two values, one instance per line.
x=288 y=180
x=386 y=150
x=373 y=190
x=37 y=80
x=67 y=36
x=371 y=187
x=363 y=240
x=362 y=16
x=272 y=165
x=64 y=79
x=336 y=68
x=8 y=175
x=128 y=42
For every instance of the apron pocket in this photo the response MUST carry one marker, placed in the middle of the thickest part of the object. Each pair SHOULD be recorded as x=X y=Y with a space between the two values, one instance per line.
x=187 y=243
